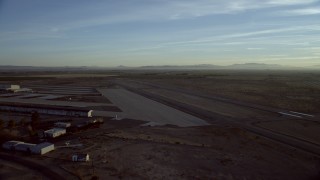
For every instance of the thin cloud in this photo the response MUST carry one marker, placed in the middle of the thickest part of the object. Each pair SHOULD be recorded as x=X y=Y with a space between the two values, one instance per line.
x=261 y=38
x=244 y=35
x=301 y=12
x=291 y=2
x=252 y=48
x=179 y=9
x=294 y=58
x=278 y=55
x=174 y=10
x=29 y=35
x=175 y=29
x=163 y=11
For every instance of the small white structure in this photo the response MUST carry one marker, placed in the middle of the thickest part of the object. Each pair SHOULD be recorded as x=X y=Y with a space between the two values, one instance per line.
x=62 y=124
x=42 y=148
x=54 y=132
x=80 y=158
x=14 y=87
x=90 y=113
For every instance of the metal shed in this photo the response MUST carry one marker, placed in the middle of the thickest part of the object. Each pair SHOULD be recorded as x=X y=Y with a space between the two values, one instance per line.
x=42 y=148
x=55 y=132
x=46 y=109
x=9 y=87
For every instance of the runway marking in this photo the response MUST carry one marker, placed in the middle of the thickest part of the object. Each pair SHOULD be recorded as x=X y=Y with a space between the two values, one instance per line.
x=287 y=114
x=302 y=114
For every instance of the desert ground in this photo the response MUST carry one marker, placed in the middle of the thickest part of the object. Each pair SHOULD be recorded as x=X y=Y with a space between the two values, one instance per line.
x=222 y=124
x=11 y=170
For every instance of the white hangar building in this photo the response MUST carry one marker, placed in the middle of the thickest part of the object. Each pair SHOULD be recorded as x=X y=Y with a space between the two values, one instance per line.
x=8 y=87
x=41 y=148
x=54 y=132
x=46 y=109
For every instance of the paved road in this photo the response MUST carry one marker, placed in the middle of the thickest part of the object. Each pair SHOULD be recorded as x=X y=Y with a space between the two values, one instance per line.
x=277 y=111
x=135 y=106
x=291 y=141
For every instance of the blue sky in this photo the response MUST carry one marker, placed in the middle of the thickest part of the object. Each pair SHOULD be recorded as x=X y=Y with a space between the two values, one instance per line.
x=159 y=32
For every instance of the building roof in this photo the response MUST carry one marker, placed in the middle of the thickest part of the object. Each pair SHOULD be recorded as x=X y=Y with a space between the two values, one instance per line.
x=12 y=143
x=24 y=145
x=64 y=123
x=45 y=106
x=54 y=130
x=42 y=145
x=9 y=85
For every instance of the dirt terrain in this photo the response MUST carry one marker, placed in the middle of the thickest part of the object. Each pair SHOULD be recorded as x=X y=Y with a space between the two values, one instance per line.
x=188 y=124
x=296 y=90
x=124 y=150
x=11 y=171
x=306 y=130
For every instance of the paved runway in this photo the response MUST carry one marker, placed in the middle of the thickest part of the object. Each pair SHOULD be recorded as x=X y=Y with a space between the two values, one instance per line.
x=138 y=107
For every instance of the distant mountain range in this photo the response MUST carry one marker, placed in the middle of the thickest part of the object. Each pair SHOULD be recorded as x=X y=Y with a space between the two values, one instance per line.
x=39 y=68
x=256 y=66
x=199 y=66
x=246 y=66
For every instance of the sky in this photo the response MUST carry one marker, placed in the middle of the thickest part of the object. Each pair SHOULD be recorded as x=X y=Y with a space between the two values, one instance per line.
x=159 y=32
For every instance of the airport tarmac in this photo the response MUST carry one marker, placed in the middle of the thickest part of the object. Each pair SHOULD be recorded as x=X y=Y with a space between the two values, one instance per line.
x=138 y=107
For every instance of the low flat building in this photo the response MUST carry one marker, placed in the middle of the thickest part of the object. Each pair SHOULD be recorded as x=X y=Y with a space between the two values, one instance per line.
x=54 y=132
x=24 y=147
x=42 y=148
x=46 y=109
x=9 y=145
x=18 y=146
x=62 y=124
x=9 y=87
